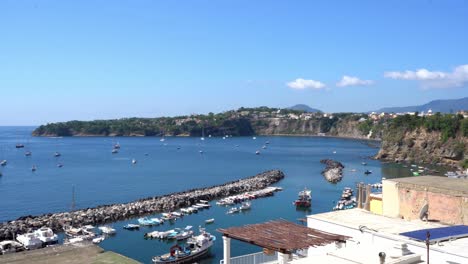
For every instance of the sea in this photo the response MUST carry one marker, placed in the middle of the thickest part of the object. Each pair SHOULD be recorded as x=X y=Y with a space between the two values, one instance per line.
x=99 y=177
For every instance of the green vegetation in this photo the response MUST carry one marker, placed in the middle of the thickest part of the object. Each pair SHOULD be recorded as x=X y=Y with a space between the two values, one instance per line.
x=448 y=125
x=464 y=164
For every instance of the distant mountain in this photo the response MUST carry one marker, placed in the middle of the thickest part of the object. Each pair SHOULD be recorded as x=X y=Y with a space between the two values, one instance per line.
x=305 y=108
x=443 y=106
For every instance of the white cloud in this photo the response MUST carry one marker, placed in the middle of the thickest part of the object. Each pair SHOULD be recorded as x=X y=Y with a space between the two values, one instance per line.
x=352 y=81
x=301 y=84
x=434 y=79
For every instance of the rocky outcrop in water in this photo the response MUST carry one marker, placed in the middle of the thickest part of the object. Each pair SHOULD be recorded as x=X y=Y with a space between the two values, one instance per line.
x=115 y=212
x=333 y=171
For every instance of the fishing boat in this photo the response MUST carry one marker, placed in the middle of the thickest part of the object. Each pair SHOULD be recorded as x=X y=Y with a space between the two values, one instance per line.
x=245 y=206
x=3 y=163
x=304 y=198
x=209 y=221
x=28 y=153
x=131 y=226
x=47 y=236
x=19 y=145
x=197 y=247
x=107 y=230
x=29 y=241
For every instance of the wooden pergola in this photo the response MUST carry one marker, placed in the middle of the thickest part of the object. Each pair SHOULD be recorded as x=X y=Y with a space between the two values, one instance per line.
x=281 y=236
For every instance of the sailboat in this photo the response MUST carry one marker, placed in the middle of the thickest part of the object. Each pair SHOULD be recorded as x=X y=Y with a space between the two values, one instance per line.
x=203 y=134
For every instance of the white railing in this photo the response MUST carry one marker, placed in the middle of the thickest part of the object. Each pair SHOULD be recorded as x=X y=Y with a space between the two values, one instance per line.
x=255 y=258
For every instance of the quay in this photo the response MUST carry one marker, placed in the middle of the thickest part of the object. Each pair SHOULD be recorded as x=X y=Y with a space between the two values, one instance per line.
x=111 y=213
x=80 y=253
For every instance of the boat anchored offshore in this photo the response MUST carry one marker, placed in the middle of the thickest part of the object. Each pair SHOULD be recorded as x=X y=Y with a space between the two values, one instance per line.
x=131 y=226
x=304 y=199
x=197 y=247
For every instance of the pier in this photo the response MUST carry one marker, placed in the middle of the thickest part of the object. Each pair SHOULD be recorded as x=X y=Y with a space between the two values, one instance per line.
x=115 y=212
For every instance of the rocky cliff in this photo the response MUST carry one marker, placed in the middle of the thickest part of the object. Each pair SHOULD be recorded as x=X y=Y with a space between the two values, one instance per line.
x=420 y=145
x=341 y=127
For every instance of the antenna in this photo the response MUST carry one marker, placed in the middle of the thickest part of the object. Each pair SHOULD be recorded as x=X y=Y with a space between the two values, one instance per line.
x=73 y=198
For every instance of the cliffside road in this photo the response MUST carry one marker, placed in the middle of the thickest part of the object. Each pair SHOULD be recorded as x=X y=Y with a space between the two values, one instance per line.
x=115 y=212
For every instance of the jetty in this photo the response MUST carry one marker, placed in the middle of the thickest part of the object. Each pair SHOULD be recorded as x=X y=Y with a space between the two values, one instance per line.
x=115 y=212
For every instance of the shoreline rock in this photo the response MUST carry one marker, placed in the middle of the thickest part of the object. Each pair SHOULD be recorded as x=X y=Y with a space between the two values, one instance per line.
x=333 y=171
x=114 y=212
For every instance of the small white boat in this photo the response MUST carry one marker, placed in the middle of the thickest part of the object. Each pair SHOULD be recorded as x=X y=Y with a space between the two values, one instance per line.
x=28 y=153
x=107 y=230
x=134 y=161
x=98 y=239
x=33 y=168
x=201 y=151
x=47 y=236
x=10 y=246
x=245 y=206
x=29 y=240
x=254 y=137
x=257 y=152
x=115 y=151
x=204 y=201
x=209 y=221
x=60 y=165
x=233 y=210
x=264 y=147
x=3 y=163
x=177 y=214
x=202 y=138
x=57 y=154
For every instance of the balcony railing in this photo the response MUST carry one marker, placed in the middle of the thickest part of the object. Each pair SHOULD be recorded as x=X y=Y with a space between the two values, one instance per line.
x=255 y=258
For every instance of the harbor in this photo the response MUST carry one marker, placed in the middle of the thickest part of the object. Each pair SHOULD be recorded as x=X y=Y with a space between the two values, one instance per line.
x=159 y=174
x=167 y=203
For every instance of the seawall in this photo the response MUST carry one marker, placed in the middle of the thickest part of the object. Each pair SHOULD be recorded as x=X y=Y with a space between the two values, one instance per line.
x=151 y=205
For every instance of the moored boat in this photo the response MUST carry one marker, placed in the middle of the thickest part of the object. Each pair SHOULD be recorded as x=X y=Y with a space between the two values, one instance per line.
x=47 y=236
x=29 y=240
x=131 y=226
x=209 y=221
x=10 y=246
x=245 y=206
x=304 y=198
x=107 y=230
x=197 y=247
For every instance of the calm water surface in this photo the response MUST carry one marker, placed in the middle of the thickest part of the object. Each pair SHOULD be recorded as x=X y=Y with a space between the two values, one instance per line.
x=100 y=177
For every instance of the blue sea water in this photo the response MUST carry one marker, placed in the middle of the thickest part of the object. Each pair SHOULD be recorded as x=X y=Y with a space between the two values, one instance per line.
x=100 y=177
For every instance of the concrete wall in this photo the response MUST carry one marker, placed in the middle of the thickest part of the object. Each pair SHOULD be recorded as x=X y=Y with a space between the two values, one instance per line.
x=376 y=204
x=390 y=205
x=442 y=207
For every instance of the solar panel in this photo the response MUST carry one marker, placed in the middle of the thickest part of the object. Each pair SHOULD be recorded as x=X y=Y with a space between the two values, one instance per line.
x=438 y=234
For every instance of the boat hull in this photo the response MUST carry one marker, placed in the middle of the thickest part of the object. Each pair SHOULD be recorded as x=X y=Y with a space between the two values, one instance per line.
x=187 y=259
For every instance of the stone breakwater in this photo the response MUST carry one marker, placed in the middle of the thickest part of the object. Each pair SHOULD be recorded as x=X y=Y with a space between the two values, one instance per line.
x=151 y=205
x=333 y=171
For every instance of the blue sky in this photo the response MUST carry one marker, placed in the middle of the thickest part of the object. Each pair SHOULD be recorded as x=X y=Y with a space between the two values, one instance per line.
x=64 y=60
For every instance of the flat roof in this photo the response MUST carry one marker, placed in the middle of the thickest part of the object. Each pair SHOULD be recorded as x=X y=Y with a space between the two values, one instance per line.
x=281 y=236
x=359 y=218
x=452 y=186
